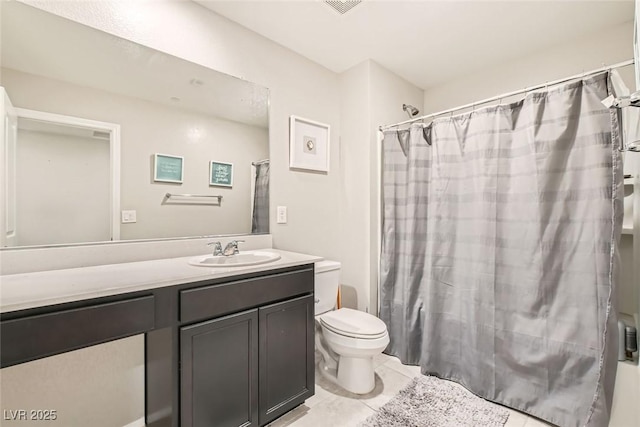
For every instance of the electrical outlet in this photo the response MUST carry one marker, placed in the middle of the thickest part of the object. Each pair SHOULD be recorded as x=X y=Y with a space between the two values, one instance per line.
x=128 y=217
x=281 y=217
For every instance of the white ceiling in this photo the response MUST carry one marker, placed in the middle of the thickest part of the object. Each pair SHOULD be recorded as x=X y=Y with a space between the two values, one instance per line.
x=426 y=42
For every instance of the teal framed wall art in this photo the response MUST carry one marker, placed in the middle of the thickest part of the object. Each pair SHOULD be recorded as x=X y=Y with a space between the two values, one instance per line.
x=168 y=168
x=220 y=174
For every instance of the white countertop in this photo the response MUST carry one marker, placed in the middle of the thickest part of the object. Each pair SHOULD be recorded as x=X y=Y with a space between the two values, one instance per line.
x=30 y=290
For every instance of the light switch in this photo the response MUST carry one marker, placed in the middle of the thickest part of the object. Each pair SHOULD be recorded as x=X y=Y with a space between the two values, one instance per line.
x=128 y=217
x=281 y=217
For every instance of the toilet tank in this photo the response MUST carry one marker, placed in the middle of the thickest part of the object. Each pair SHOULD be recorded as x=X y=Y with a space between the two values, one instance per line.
x=327 y=280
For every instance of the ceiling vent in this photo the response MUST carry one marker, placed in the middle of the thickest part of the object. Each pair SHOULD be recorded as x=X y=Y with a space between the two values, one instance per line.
x=343 y=7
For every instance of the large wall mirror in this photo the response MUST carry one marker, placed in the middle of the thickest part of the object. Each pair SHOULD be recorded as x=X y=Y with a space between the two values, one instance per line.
x=105 y=139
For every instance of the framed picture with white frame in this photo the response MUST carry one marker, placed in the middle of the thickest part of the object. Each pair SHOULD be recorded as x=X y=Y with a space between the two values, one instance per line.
x=168 y=168
x=220 y=174
x=308 y=145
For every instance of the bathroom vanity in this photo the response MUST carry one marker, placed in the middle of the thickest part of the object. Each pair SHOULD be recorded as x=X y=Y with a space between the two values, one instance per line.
x=223 y=346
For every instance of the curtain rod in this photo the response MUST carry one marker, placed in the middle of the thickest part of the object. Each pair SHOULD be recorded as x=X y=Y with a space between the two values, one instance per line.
x=507 y=95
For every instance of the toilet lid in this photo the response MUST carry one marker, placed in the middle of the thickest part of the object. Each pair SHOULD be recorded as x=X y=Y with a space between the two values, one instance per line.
x=354 y=323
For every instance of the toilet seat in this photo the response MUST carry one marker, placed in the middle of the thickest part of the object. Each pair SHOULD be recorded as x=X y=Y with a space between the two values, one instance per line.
x=354 y=324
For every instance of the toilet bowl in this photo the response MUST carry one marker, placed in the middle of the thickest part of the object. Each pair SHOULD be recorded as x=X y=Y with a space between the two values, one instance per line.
x=347 y=339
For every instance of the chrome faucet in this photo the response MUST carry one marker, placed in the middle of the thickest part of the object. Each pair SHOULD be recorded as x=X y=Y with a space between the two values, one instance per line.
x=217 y=248
x=232 y=248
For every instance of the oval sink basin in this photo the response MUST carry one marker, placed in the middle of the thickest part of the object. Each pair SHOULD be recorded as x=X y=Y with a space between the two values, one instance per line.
x=239 y=260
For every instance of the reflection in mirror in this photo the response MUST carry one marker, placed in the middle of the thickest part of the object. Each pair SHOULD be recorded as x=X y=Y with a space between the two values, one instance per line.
x=58 y=185
x=65 y=166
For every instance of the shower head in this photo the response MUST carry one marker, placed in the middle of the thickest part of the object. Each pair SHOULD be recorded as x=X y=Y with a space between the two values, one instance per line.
x=411 y=110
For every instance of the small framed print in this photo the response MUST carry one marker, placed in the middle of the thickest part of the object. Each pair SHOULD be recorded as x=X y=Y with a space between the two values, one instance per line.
x=168 y=168
x=220 y=174
x=308 y=145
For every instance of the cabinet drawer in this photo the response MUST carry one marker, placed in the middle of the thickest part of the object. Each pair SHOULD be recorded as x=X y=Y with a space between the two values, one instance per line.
x=216 y=300
x=33 y=337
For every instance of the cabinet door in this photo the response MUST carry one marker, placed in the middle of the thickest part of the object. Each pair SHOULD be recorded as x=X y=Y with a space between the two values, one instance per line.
x=286 y=356
x=219 y=372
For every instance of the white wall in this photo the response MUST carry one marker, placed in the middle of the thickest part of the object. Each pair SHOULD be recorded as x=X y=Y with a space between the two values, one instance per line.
x=147 y=128
x=62 y=187
x=371 y=96
x=355 y=153
x=606 y=47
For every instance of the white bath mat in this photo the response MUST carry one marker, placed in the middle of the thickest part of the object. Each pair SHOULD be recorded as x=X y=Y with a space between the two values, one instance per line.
x=431 y=402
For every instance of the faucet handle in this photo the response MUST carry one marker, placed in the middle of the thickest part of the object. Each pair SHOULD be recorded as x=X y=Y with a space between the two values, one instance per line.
x=232 y=248
x=217 y=248
x=235 y=245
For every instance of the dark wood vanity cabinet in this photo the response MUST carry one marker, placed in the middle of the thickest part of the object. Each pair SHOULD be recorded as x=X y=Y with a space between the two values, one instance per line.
x=247 y=369
x=245 y=351
x=233 y=351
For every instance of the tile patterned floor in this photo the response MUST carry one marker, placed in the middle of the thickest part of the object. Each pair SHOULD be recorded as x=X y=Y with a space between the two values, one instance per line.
x=332 y=406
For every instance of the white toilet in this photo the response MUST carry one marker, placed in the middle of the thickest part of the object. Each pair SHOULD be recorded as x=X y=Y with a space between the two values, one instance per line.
x=347 y=339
